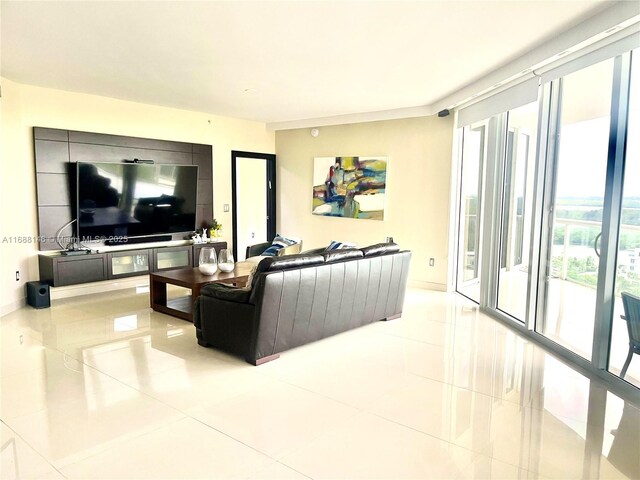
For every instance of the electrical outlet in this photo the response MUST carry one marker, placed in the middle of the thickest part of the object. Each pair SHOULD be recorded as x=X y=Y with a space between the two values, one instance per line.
x=432 y=262
x=226 y=207
x=253 y=234
x=17 y=275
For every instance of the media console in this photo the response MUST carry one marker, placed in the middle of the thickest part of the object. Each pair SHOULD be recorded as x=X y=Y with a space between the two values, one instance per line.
x=59 y=270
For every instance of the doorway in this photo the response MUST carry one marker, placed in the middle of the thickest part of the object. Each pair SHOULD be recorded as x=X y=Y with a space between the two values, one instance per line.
x=253 y=183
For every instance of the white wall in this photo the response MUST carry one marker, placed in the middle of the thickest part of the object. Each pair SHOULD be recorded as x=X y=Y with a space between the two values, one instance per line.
x=251 y=203
x=23 y=107
x=417 y=193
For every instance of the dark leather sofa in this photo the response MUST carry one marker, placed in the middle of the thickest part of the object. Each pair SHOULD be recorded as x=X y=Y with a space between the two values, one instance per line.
x=297 y=299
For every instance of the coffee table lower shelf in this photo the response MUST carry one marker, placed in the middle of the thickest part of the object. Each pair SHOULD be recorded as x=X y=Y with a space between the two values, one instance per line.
x=189 y=278
x=178 y=307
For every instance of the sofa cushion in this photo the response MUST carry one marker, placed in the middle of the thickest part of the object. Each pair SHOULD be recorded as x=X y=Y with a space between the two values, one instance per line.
x=342 y=254
x=315 y=251
x=278 y=243
x=335 y=245
x=380 y=249
x=289 y=261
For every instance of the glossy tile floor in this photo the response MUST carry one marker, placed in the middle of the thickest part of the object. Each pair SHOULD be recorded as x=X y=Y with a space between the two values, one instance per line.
x=101 y=387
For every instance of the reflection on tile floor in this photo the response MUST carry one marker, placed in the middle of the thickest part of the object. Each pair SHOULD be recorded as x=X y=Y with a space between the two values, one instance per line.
x=100 y=386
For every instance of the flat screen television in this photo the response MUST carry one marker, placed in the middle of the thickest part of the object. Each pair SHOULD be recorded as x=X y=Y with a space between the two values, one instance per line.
x=118 y=201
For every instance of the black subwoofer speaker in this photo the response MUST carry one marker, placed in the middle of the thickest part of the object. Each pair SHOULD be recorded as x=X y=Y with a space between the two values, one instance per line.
x=38 y=294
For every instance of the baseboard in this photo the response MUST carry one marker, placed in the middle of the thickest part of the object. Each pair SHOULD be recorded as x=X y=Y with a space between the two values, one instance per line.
x=98 y=287
x=13 y=306
x=440 y=287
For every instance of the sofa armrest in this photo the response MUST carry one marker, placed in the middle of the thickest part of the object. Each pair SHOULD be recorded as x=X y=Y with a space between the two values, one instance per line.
x=224 y=324
x=257 y=249
x=228 y=293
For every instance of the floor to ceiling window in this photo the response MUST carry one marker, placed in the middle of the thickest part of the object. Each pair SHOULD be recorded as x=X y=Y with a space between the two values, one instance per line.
x=549 y=207
x=470 y=213
x=517 y=208
x=628 y=259
x=575 y=206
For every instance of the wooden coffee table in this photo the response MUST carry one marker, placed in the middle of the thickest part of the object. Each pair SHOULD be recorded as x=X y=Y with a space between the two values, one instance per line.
x=193 y=279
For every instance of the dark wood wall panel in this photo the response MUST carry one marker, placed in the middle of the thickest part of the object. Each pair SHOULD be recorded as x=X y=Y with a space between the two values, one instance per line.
x=50 y=134
x=204 y=213
x=134 y=142
x=56 y=152
x=84 y=152
x=50 y=219
x=54 y=156
x=204 y=163
x=204 y=149
x=205 y=192
x=53 y=189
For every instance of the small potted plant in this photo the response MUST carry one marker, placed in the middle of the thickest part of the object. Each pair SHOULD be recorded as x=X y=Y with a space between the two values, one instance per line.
x=214 y=229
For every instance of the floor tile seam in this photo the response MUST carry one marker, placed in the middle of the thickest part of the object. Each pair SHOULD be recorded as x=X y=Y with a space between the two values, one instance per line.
x=124 y=384
x=395 y=335
x=292 y=451
x=294 y=469
x=288 y=452
x=477 y=392
x=117 y=444
x=482 y=456
x=323 y=395
x=6 y=418
x=449 y=350
x=46 y=460
x=473 y=452
x=231 y=437
x=510 y=462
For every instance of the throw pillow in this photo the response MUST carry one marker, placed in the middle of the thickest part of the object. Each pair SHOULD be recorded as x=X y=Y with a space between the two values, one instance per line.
x=335 y=245
x=248 y=285
x=278 y=243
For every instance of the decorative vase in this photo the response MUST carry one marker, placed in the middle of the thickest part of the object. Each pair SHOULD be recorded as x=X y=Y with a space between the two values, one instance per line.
x=225 y=261
x=208 y=264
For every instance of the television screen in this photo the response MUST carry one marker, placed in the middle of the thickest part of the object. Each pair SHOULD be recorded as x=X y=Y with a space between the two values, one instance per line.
x=122 y=200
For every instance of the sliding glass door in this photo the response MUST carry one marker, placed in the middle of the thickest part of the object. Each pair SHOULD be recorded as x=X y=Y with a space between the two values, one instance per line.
x=549 y=209
x=628 y=251
x=470 y=213
x=516 y=211
x=574 y=208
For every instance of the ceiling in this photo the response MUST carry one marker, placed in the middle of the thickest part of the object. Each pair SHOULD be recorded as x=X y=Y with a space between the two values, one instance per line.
x=274 y=61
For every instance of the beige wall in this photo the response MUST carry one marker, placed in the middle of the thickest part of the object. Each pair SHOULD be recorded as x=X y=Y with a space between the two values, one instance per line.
x=417 y=194
x=23 y=107
x=251 y=203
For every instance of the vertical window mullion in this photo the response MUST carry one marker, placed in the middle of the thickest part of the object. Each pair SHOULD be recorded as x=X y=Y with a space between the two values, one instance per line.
x=545 y=126
x=612 y=208
x=544 y=214
x=494 y=172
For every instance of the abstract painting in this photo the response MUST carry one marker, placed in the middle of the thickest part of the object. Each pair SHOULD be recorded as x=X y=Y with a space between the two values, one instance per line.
x=352 y=187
